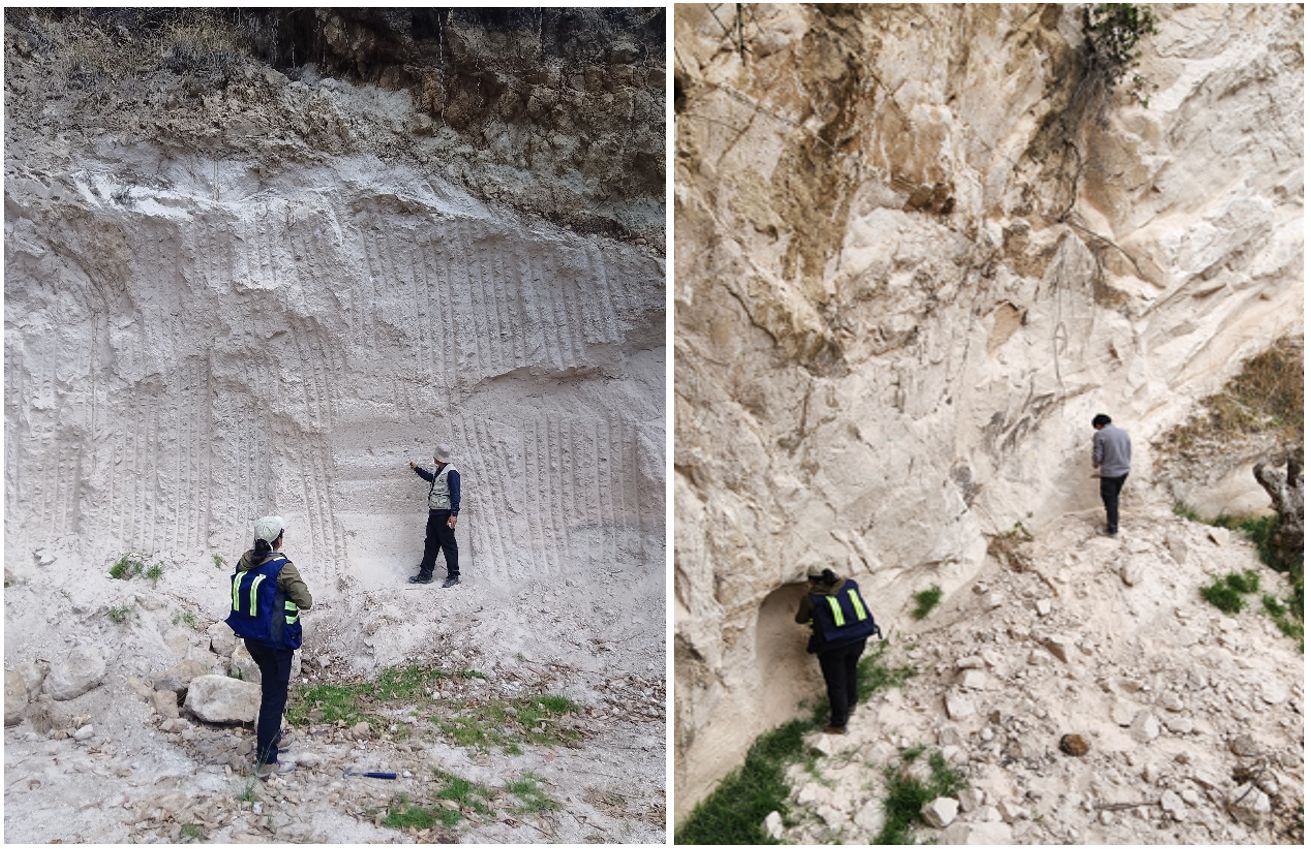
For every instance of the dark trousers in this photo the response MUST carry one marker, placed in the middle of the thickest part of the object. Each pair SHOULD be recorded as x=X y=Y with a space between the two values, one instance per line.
x=440 y=537
x=274 y=673
x=1111 y=499
x=839 y=668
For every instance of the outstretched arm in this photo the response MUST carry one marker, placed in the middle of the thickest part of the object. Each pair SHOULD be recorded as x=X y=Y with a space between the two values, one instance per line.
x=422 y=472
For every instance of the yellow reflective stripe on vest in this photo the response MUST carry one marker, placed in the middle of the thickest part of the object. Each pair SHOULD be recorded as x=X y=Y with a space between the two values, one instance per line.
x=236 y=592
x=290 y=612
x=861 y=615
x=291 y=620
x=254 y=586
x=838 y=618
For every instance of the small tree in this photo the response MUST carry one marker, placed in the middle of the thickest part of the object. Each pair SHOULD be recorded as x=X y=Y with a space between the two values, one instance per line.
x=1112 y=32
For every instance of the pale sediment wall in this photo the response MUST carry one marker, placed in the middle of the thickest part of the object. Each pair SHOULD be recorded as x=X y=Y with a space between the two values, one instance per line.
x=917 y=251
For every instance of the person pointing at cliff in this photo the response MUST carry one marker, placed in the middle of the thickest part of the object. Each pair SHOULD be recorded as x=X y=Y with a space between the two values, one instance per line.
x=443 y=513
x=1111 y=453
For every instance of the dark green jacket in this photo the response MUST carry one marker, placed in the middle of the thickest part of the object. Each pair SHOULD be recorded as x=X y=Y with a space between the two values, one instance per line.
x=289 y=579
x=806 y=613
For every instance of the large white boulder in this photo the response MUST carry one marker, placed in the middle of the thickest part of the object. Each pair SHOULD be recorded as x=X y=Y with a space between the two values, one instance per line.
x=223 y=700
x=80 y=670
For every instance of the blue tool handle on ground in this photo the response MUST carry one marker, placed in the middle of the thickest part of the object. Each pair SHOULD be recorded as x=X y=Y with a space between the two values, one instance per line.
x=390 y=775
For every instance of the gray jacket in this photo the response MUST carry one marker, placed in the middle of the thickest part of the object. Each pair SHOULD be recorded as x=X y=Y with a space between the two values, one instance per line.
x=1111 y=451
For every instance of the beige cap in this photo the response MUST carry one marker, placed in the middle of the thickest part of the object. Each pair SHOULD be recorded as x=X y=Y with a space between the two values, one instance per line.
x=269 y=528
x=442 y=453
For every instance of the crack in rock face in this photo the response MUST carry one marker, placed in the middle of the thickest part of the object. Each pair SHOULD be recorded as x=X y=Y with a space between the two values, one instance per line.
x=917 y=252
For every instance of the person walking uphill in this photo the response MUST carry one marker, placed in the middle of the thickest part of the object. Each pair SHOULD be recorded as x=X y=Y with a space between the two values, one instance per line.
x=443 y=513
x=1111 y=453
x=268 y=595
x=840 y=624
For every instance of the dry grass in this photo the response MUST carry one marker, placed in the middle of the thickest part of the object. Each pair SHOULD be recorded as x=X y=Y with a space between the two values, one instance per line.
x=1264 y=398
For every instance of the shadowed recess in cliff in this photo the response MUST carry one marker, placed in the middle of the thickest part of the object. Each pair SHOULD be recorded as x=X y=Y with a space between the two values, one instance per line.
x=788 y=676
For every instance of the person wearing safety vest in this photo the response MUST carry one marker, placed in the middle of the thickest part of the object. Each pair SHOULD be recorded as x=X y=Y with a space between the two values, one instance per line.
x=443 y=513
x=268 y=595
x=840 y=623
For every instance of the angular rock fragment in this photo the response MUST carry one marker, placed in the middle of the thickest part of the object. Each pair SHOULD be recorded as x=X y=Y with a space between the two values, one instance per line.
x=15 y=696
x=958 y=706
x=940 y=812
x=80 y=671
x=222 y=700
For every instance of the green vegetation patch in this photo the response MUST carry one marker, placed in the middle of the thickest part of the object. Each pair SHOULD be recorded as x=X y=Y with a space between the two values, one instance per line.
x=1223 y=595
x=326 y=703
x=456 y=797
x=907 y=793
x=926 y=600
x=467 y=794
x=532 y=798
x=736 y=810
x=1112 y=32
x=121 y=614
x=1227 y=593
x=191 y=832
x=508 y=724
x=404 y=815
x=132 y=565
x=352 y=702
x=127 y=567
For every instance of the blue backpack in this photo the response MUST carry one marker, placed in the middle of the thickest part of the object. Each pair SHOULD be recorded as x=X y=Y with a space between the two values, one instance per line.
x=261 y=611
x=841 y=619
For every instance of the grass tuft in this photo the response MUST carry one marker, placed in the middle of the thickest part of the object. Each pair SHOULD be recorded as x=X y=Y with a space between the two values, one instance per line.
x=403 y=814
x=509 y=723
x=1244 y=582
x=127 y=567
x=926 y=600
x=1223 y=595
x=532 y=799
x=907 y=794
x=121 y=614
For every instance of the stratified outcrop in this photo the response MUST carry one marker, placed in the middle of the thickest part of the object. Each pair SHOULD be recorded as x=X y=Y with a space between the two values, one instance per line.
x=256 y=261
x=918 y=248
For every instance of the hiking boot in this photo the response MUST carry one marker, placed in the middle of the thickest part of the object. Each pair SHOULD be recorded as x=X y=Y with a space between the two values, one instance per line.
x=835 y=729
x=421 y=579
x=450 y=582
x=267 y=771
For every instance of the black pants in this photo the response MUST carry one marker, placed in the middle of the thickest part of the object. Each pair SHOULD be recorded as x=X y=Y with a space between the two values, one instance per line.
x=839 y=668
x=274 y=673
x=440 y=537
x=1111 y=499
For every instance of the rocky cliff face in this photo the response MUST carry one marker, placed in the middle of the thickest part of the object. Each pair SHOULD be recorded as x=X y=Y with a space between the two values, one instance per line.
x=917 y=250
x=255 y=262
